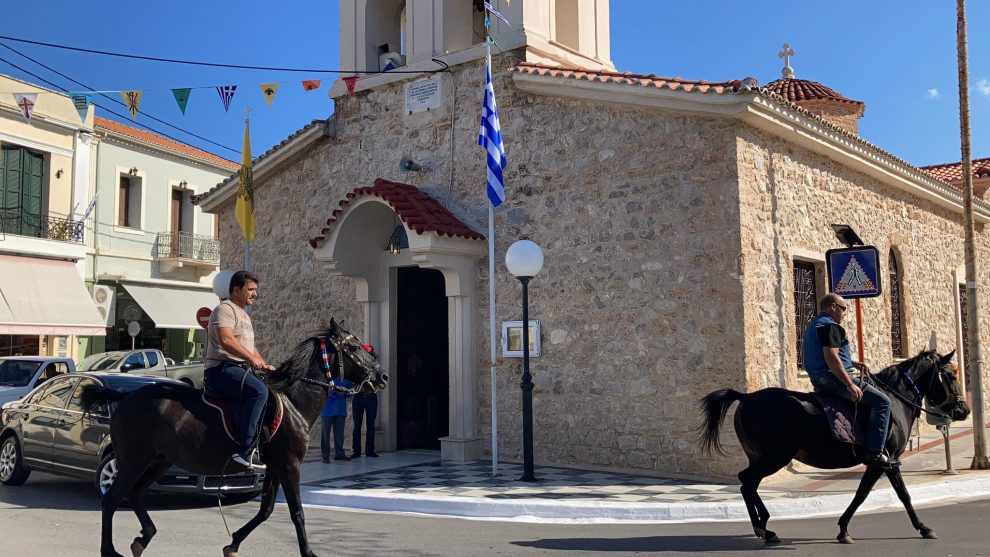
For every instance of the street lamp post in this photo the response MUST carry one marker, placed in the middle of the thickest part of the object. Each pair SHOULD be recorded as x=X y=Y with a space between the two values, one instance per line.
x=524 y=260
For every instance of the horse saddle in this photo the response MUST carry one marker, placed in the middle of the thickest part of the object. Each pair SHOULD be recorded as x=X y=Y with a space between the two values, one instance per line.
x=845 y=422
x=271 y=418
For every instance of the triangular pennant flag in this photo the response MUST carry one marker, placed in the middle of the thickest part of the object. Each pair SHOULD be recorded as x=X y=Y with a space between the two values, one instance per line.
x=226 y=93
x=81 y=102
x=25 y=101
x=181 y=98
x=311 y=84
x=350 y=81
x=133 y=101
x=269 y=90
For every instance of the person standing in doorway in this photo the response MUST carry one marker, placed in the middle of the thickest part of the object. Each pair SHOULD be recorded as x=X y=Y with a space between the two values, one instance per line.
x=365 y=406
x=334 y=415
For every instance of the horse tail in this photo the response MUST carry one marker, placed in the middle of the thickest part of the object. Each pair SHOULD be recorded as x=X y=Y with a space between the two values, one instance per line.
x=714 y=407
x=93 y=396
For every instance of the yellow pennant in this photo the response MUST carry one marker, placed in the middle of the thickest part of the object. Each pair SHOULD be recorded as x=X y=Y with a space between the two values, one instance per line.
x=133 y=100
x=269 y=90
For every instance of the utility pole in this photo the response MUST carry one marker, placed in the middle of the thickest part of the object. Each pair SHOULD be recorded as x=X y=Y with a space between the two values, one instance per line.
x=973 y=359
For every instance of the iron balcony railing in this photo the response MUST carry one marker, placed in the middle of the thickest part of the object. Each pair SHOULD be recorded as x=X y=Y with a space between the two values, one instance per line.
x=185 y=245
x=42 y=226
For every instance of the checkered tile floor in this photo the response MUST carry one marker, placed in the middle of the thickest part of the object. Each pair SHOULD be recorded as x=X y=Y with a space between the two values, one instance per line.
x=473 y=479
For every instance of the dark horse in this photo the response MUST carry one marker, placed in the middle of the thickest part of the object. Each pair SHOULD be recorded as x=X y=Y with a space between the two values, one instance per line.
x=163 y=424
x=775 y=426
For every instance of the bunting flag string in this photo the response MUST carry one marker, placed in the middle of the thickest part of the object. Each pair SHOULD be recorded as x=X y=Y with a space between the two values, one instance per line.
x=81 y=101
x=25 y=101
x=133 y=101
x=311 y=84
x=269 y=90
x=182 y=98
x=226 y=93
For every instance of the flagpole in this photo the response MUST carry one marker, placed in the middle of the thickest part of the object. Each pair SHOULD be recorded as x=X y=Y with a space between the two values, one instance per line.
x=491 y=309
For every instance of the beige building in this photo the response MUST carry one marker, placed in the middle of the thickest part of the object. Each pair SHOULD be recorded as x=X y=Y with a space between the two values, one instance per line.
x=684 y=225
x=44 y=187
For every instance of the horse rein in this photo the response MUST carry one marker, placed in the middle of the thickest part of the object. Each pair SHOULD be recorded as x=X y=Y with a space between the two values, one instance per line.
x=906 y=376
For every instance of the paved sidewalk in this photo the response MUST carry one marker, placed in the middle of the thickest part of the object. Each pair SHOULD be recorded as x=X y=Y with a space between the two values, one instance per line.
x=417 y=482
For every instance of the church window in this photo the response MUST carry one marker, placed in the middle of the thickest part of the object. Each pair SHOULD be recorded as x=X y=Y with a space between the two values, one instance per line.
x=566 y=23
x=805 y=302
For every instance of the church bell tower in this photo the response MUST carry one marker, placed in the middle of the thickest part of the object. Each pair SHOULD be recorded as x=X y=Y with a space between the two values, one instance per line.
x=382 y=35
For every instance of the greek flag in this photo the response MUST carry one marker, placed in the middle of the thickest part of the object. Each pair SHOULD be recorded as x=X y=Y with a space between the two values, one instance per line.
x=490 y=137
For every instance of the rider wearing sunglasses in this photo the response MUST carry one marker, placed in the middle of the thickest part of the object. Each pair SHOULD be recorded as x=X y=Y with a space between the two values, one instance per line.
x=828 y=362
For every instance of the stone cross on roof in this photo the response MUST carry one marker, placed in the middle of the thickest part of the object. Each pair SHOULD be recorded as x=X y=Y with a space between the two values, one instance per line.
x=786 y=54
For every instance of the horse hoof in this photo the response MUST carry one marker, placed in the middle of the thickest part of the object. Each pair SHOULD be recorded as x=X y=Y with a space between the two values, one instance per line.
x=845 y=538
x=229 y=551
x=929 y=534
x=137 y=549
x=771 y=537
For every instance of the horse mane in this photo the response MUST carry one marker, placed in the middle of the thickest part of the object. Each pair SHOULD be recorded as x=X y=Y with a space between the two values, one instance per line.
x=293 y=369
x=890 y=373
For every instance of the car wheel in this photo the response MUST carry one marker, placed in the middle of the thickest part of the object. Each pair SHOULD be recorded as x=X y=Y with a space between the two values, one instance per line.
x=12 y=470
x=106 y=474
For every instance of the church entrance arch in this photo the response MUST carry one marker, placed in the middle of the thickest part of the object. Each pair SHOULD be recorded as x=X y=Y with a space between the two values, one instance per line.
x=441 y=259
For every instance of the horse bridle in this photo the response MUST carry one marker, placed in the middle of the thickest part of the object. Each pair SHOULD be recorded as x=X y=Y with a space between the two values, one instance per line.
x=328 y=367
x=951 y=398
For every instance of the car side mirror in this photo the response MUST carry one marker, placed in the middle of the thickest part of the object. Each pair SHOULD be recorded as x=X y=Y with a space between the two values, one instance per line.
x=127 y=367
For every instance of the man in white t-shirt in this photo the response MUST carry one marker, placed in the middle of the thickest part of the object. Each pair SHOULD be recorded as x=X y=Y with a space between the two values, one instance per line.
x=230 y=354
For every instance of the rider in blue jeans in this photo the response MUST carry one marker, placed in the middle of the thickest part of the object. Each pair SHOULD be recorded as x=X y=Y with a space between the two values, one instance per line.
x=230 y=354
x=829 y=364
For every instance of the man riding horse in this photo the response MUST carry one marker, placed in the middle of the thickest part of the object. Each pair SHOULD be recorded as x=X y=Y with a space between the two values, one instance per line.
x=230 y=355
x=828 y=362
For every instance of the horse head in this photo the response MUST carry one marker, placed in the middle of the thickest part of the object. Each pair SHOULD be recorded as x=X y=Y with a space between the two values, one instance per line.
x=943 y=391
x=359 y=363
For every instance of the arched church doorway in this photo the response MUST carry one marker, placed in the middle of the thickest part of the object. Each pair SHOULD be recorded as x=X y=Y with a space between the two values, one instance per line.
x=422 y=362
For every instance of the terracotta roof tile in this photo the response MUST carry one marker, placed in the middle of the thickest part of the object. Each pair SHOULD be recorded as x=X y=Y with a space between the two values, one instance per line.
x=802 y=90
x=628 y=78
x=951 y=172
x=417 y=210
x=164 y=143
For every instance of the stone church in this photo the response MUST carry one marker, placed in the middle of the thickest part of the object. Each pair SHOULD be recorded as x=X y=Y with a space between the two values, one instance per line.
x=684 y=226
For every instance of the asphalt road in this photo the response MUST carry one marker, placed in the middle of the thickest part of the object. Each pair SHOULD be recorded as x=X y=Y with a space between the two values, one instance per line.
x=58 y=517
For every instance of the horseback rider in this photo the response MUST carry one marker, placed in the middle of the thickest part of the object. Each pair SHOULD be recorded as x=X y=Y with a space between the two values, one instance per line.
x=230 y=357
x=828 y=362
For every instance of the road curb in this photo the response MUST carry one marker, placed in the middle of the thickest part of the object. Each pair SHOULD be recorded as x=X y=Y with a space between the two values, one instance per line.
x=536 y=510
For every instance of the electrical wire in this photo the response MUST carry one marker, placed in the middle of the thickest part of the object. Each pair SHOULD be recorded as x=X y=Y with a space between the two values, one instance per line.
x=90 y=89
x=208 y=64
x=64 y=90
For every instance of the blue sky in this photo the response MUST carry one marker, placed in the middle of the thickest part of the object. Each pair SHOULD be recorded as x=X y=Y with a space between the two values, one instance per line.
x=896 y=56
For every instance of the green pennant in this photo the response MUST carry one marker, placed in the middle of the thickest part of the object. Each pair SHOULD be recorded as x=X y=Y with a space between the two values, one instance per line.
x=181 y=98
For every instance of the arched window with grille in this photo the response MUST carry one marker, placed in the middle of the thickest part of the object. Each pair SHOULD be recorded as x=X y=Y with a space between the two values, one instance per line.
x=896 y=307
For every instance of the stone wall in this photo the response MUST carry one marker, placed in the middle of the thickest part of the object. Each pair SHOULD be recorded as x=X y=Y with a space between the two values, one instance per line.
x=789 y=197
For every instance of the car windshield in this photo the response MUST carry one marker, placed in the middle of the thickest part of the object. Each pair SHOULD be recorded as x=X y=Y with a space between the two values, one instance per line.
x=17 y=373
x=98 y=362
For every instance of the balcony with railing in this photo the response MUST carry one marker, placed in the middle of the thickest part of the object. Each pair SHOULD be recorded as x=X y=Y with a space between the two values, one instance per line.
x=174 y=250
x=42 y=226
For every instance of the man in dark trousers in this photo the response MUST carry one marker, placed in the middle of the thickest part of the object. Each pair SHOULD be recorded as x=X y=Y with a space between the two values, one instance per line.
x=365 y=406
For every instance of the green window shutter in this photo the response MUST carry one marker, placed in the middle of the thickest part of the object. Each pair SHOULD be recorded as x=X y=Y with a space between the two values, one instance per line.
x=32 y=188
x=12 y=190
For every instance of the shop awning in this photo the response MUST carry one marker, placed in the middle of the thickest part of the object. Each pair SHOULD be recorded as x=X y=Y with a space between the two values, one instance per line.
x=171 y=307
x=45 y=297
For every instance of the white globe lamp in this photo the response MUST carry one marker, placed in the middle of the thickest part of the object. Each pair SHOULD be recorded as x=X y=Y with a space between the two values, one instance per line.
x=524 y=258
x=221 y=283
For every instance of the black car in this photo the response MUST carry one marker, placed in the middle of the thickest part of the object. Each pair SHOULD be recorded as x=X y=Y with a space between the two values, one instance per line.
x=47 y=431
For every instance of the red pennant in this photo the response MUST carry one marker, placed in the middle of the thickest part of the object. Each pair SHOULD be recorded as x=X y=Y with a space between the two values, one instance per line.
x=311 y=84
x=350 y=81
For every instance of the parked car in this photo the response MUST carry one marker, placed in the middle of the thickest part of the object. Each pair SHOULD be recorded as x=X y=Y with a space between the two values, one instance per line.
x=47 y=431
x=20 y=374
x=144 y=361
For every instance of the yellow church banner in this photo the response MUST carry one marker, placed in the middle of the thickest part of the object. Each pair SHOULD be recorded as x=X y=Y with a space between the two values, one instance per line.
x=133 y=101
x=269 y=90
x=244 y=209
